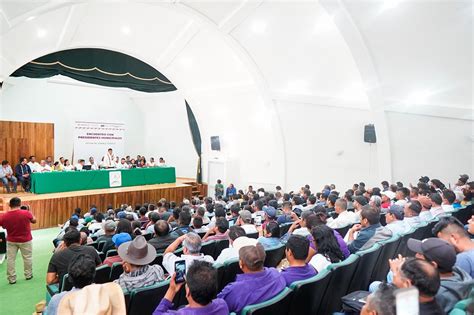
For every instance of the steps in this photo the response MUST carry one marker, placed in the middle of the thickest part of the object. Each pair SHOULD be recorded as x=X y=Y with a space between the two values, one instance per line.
x=198 y=190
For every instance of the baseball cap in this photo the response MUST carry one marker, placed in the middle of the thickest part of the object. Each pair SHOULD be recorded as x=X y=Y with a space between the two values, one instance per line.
x=390 y=194
x=245 y=215
x=243 y=241
x=121 y=215
x=93 y=211
x=110 y=225
x=270 y=211
x=425 y=202
x=435 y=249
x=121 y=238
x=397 y=211
x=88 y=219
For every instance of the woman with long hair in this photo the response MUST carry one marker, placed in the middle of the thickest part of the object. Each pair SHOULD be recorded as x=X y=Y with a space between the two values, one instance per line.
x=328 y=250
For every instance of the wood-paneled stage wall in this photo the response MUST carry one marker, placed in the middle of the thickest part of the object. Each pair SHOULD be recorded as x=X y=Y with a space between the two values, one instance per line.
x=19 y=139
x=53 y=209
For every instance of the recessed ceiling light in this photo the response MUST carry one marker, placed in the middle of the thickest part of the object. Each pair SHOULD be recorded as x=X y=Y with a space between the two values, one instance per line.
x=125 y=29
x=41 y=33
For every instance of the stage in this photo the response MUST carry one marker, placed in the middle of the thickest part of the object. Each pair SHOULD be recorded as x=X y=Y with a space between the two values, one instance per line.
x=55 y=208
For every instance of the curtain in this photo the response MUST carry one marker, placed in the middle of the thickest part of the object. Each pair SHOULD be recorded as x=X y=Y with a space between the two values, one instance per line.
x=98 y=66
x=196 y=135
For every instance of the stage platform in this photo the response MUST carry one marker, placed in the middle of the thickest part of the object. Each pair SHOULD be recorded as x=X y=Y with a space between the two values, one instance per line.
x=55 y=208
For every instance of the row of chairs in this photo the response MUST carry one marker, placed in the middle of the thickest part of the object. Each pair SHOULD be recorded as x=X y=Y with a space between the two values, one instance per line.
x=145 y=300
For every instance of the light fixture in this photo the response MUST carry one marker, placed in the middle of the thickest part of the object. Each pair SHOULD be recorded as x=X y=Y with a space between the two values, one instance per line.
x=258 y=26
x=125 y=30
x=30 y=18
x=41 y=32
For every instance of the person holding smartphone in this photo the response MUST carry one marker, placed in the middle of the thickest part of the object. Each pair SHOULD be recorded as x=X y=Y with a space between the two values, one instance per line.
x=200 y=285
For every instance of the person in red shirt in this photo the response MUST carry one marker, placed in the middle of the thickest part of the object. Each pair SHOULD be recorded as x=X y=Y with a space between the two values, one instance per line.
x=17 y=223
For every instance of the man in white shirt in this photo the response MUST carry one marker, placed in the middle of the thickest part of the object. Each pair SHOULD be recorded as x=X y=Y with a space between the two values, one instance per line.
x=425 y=214
x=237 y=240
x=411 y=213
x=344 y=217
x=93 y=164
x=161 y=162
x=43 y=167
x=108 y=160
x=245 y=221
x=33 y=164
x=448 y=199
x=191 y=252
x=436 y=209
x=401 y=196
x=6 y=175
x=80 y=165
x=123 y=164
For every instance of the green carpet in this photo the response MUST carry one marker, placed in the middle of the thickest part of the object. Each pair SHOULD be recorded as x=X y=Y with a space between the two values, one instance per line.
x=20 y=298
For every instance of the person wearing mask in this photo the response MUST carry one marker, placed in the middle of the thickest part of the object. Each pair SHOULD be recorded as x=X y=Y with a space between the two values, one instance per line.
x=265 y=283
x=200 y=287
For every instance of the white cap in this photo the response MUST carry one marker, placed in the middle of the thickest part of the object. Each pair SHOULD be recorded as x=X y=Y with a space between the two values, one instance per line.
x=390 y=194
x=243 y=241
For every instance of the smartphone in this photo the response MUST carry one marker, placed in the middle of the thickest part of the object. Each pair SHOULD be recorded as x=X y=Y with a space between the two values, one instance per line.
x=407 y=301
x=180 y=269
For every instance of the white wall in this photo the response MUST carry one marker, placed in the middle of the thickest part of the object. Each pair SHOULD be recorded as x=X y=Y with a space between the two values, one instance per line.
x=166 y=132
x=436 y=147
x=37 y=100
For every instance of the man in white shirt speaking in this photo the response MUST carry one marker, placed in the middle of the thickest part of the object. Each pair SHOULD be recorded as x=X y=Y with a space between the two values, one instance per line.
x=109 y=159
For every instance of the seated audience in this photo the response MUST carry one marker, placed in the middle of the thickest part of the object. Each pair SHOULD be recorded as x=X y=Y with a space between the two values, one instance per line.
x=270 y=215
x=198 y=226
x=117 y=239
x=452 y=231
x=299 y=225
x=411 y=213
x=394 y=218
x=256 y=284
x=235 y=232
x=6 y=176
x=387 y=197
x=219 y=232
x=402 y=195
x=245 y=221
x=286 y=216
x=81 y=273
x=296 y=252
x=381 y=302
x=370 y=231
x=425 y=214
x=184 y=220
x=201 y=288
x=327 y=248
x=409 y=272
x=271 y=236
x=154 y=217
x=436 y=208
x=109 y=228
x=60 y=261
x=191 y=252
x=456 y=284
x=344 y=217
x=163 y=238
x=449 y=197
x=137 y=273
x=319 y=218
x=143 y=219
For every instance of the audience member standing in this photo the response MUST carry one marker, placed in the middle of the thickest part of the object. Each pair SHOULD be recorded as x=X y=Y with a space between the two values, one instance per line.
x=17 y=223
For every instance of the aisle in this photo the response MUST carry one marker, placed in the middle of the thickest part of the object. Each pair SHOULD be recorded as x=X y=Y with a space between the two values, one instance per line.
x=21 y=297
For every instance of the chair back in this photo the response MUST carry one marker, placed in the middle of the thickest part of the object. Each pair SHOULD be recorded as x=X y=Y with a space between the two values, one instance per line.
x=145 y=300
x=100 y=245
x=208 y=248
x=116 y=271
x=253 y=235
x=343 y=231
x=111 y=252
x=341 y=278
x=158 y=261
x=464 y=214
x=148 y=236
x=363 y=273
x=274 y=255
x=402 y=248
x=278 y=305
x=220 y=246
x=388 y=251
x=308 y=294
x=231 y=270
x=102 y=274
x=284 y=228
x=66 y=284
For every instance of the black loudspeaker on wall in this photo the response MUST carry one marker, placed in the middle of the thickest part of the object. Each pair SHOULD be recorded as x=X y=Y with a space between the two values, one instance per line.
x=215 y=143
x=369 y=134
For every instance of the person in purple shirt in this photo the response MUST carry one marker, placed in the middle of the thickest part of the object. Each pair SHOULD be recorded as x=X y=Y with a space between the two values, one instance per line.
x=317 y=219
x=257 y=283
x=201 y=287
x=296 y=252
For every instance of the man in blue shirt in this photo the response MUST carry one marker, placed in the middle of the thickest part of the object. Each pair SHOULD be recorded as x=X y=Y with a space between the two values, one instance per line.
x=368 y=228
x=230 y=191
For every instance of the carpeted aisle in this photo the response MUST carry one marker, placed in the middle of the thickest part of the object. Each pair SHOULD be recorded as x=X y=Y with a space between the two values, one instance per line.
x=21 y=297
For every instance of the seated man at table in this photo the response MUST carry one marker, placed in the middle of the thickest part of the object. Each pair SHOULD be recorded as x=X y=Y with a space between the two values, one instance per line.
x=23 y=172
x=6 y=175
x=93 y=164
x=201 y=288
x=33 y=164
x=256 y=284
x=43 y=167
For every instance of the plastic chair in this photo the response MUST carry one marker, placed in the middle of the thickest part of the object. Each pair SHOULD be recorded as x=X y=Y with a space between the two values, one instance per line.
x=116 y=271
x=363 y=273
x=278 y=305
x=342 y=274
x=402 y=248
x=111 y=252
x=274 y=255
x=102 y=274
x=101 y=256
x=93 y=244
x=145 y=300
x=308 y=294
x=100 y=246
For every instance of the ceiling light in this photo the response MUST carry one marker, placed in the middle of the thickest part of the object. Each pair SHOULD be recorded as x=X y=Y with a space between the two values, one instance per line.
x=41 y=33
x=125 y=30
x=31 y=18
x=258 y=26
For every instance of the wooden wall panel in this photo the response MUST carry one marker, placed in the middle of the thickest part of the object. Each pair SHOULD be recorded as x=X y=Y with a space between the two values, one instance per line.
x=51 y=212
x=24 y=139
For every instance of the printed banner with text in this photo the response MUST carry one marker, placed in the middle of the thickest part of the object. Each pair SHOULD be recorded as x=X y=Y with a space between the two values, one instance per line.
x=94 y=138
